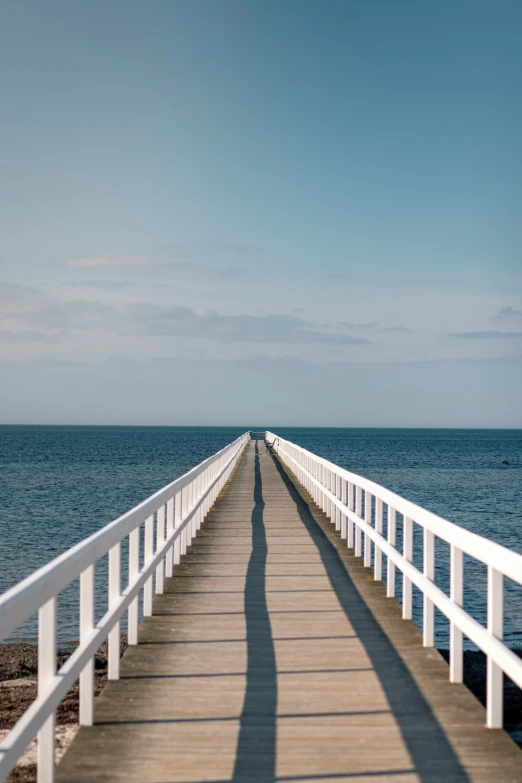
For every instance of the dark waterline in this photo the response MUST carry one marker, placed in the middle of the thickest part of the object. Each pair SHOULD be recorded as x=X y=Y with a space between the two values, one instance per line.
x=59 y=484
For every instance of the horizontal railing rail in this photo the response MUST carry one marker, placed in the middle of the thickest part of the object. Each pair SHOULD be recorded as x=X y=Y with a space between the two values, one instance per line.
x=346 y=498
x=174 y=514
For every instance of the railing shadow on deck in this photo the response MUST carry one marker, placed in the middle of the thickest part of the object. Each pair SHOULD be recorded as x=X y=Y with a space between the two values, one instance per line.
x=432 y=755
x=256 y=745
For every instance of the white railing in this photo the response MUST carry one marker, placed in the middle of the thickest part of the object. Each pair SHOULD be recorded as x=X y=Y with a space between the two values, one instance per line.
x=347 y=499
x=176 y=511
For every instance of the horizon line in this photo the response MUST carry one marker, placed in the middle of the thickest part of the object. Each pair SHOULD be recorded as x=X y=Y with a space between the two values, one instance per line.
x=272 y=427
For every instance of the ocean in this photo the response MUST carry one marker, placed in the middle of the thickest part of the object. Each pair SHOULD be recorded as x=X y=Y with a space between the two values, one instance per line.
x=60 y=484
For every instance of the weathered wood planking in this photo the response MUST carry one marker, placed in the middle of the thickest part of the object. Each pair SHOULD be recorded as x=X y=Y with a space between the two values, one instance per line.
x=273 y=655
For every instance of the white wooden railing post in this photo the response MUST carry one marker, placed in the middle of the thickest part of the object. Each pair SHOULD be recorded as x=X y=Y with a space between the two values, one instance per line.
x=392 y=537
x=134 y=567
x=329 y=487
x=194 y=498
x=148 y=555
x=428 y=621
x=377 y=557
x=190 y=504
x=349 y=537
x=368 y=520
x=160 y=540
x=344 y=519
x=170 y=529
x=86 y=628
x=46 y=672
x=205 y=507
x=185 y=533
x=457 y=596
x=114 y=595
x=495 y=677
x=358 y=511
x=407 y=551
x=177 y=522
x=186 y=507
x=337 y=494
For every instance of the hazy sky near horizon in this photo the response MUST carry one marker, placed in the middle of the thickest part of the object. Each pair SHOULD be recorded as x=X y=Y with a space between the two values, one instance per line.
x=260 y=211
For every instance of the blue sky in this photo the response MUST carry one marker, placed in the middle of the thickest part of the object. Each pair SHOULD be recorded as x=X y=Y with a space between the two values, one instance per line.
x=286 y=212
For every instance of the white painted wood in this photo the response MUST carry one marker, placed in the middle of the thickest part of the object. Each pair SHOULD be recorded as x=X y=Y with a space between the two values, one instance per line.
x=368 y=520
x=337 y=510
x=86 y=629
x=160 y=539
x=46 y=673
x=199 y=488
x=428 y=624
x=495 y=678
x=134 y=567
x=344 y=520
x=377 y=565
x=457 y=596
x=349 y=522
x=186 y=507
x=358 y=512
x=169 y=560
x=502 y=563
x=390 y=567
x=407 y=551
x=34 y=593
x=177 y=523
x=114 y=596
x=148 y=554
x=505 y=560
x=24 y=599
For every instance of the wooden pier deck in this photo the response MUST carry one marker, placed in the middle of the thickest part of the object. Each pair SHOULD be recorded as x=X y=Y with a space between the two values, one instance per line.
x=274 y=656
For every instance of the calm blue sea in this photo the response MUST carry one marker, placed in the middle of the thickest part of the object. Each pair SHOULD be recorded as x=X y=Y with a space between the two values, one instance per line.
x=60 y=484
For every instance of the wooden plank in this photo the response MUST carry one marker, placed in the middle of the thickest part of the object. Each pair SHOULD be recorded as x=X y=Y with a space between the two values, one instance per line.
x=273 y=656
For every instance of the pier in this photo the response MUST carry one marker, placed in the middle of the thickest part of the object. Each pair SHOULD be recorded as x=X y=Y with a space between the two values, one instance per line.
x=270 y=648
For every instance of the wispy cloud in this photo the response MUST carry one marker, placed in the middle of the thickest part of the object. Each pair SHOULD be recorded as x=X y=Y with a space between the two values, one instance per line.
x=28 y=336
x=508 y=312
x=349 y=325
x=486 y=335
x=182 y=321
x=395 y=329
x=97 y=262
x=16 y=295
x=32 y=309
x=105 y=285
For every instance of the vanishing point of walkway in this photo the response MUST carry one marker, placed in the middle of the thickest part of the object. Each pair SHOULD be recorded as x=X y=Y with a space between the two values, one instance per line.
x=273 y=656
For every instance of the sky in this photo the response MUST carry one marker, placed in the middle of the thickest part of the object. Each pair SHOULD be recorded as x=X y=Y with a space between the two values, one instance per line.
x=261 y=212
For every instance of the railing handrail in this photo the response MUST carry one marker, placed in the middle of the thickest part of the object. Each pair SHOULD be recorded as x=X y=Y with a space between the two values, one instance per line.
x=340 y=494
x=25 y=598
x=503 y=559
x=180 y=507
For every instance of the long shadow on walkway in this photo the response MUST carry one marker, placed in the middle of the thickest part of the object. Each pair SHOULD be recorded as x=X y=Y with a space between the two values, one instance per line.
x=432 y=755
x=256 y=747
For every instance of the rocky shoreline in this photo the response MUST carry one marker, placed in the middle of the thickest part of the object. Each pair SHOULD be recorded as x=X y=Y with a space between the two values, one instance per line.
x=18 y=688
